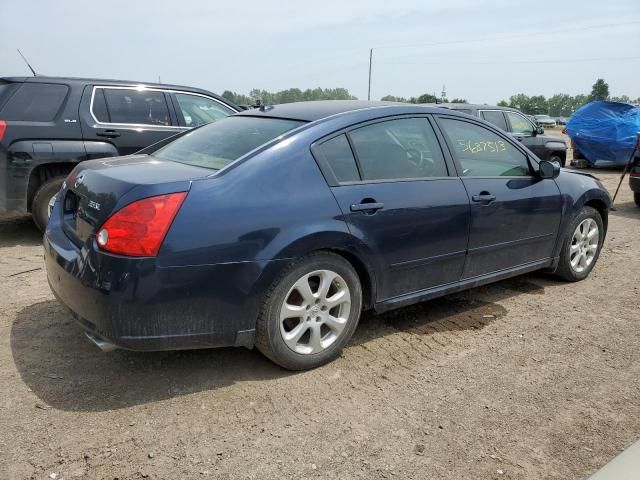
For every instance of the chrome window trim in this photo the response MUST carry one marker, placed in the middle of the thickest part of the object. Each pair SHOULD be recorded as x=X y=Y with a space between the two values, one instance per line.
x=136 y=126
x=533 y=127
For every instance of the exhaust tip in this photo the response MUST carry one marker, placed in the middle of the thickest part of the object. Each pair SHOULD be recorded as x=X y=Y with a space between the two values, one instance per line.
x=103 y=345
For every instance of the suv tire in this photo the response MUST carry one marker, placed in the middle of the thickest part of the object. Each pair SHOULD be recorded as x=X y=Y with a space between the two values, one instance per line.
x=40 y=204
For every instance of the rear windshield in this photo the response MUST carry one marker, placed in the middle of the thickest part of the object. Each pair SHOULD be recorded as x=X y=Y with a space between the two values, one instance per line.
x=218 y=144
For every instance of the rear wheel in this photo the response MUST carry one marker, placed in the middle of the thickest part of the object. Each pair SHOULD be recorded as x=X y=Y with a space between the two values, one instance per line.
x=44 y=197
x=581 y=246
x=310 y=312
x=636 y=198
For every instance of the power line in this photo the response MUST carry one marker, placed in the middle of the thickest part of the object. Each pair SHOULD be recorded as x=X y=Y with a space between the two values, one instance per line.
x=575 y=60
x=509 y=37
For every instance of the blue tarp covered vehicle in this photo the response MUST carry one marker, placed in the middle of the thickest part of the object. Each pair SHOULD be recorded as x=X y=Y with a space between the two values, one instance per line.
x=605 y=132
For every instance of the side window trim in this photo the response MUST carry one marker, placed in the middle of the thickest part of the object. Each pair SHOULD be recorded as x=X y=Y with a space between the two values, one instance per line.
x=533 y=127
x=497 y=131
x=167 y=93
x=327 y=172
x=450 y=164
x=426 y=118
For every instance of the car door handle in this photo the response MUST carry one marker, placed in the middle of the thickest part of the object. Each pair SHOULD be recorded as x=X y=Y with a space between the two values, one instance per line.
x=367 y=207
x=484 y=197
x=108 y=134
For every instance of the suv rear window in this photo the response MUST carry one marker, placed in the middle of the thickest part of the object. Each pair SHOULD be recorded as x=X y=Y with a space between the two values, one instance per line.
x=35 y=102
x=218 y=144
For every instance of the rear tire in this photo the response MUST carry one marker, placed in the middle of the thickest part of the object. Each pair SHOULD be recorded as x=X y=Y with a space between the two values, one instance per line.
x=40 y=204
x=300 y=328
x=581 y=245
x=636 y=198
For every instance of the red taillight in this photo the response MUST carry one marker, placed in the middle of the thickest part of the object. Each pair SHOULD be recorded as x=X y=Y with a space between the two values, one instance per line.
x=139 y=228
x=3 y=128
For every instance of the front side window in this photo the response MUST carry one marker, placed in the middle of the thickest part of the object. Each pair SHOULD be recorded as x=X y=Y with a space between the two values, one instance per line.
x=198 y=110
x=483 y=153
x=35 y=102
x=495 y=117
x=519 y=124
x=218 y=144
x=398 y=149
x=133 y=106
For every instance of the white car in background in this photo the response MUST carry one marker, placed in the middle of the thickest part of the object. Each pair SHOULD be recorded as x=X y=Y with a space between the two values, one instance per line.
x=544 y=120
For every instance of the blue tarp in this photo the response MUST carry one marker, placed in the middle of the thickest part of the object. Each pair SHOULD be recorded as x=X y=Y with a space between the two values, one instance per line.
x=605 y=132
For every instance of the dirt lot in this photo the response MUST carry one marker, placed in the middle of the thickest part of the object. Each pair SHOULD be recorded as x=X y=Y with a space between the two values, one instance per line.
x=525 y=379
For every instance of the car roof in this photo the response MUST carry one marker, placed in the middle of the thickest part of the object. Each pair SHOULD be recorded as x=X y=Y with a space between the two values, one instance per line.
x=471 y=106
x=77 y=81
x=319 y=109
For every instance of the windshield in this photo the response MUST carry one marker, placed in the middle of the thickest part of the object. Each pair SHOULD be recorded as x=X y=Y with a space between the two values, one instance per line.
x=218 y=144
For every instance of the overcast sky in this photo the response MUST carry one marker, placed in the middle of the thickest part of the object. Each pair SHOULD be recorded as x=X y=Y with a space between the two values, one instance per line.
x=500 y=48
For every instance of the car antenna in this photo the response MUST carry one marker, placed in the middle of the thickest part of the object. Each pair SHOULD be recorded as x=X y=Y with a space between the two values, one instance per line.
x=27 y=62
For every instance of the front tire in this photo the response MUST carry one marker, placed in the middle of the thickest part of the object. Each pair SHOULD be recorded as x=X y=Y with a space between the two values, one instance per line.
x=581 y=245
x=310 y=312
x=558 y=159
x=40 y=205
x=636 y=198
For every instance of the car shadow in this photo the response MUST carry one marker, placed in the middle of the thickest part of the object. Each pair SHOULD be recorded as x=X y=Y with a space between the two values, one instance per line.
x=19 y=231
x=626 y=209
x=65 y=371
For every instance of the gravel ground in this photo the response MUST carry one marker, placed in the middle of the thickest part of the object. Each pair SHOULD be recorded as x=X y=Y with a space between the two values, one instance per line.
x=528 y=378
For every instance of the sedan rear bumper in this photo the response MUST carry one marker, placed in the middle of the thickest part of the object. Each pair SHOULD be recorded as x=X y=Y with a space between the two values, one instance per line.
x=134 y=303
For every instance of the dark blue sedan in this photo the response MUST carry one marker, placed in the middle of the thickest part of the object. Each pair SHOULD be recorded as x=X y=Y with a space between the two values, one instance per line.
x=276 y=227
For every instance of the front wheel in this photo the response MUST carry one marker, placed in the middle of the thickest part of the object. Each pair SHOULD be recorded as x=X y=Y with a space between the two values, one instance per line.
x=310 y=312
x=42 y=200
x=558 y=159
x=636 y=198
x=581 y=246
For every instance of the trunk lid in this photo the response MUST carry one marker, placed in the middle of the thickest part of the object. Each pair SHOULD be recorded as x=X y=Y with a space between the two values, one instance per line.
x=98 y=188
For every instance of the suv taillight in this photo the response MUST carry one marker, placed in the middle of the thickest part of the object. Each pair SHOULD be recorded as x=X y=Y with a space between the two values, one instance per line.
x=3 y=128
x=138 y=229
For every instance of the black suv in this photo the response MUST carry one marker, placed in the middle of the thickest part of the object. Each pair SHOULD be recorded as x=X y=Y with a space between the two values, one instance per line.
x=47 y=125
x=546 y=147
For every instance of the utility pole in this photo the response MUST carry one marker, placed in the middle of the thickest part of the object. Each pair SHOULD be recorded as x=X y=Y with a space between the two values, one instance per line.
x=370 y=63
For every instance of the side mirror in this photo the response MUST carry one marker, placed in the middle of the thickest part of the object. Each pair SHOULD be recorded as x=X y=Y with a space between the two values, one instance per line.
x=547 y=169
x=539 y=130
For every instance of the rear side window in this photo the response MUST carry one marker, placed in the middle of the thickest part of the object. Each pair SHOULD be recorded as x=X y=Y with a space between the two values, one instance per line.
x=398 y=149
x=337 y=159
x=495 y=117
x=139 y=107
x=35 y=102
x=218 y=144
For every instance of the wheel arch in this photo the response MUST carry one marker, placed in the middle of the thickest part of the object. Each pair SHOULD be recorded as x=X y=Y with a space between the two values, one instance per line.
x=44 y=172
x=339 y=243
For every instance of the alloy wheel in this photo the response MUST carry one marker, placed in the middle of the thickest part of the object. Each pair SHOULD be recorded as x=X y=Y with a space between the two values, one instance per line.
x=584 y=245
x=315 y=312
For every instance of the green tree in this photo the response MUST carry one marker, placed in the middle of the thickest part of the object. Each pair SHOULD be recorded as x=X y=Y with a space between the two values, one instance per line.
x=393 y=98
x=600 y=90
x=503 y=103
x=425 y=98
x=560 y=105
x=459 y=100
x=520 y=101
x=538 y=104
x=237 y=98
x=621 y=99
